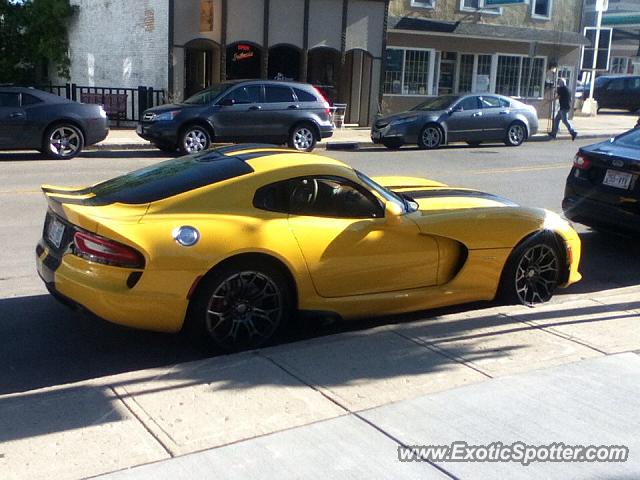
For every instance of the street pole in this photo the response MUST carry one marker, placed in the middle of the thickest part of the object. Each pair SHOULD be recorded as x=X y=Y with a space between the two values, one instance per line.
x=595 y=53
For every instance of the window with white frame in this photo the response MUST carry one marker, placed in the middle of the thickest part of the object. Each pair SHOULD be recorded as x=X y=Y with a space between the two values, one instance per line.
x=407 y=71
x=476 y=6
x=619 y=65
x=474 y=73
x=541 y=8
x=520 y=76
x=423 y=3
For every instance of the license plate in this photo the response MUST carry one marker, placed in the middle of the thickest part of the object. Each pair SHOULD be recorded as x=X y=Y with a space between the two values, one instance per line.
x=55 y=233
x=139 y=130
x=617 y=179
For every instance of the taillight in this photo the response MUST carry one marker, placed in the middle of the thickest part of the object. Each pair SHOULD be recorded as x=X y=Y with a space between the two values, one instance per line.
x=581 y=162
x=102 y=250
x=326 y=105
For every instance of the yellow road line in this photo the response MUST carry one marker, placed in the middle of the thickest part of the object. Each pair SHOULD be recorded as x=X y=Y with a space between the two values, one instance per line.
x=13 y=192
x=532 y=168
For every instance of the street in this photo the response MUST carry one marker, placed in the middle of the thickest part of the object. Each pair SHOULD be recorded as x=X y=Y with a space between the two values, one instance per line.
x=45 y=344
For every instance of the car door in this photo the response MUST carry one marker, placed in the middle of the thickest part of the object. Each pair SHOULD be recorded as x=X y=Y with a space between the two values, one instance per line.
x=239 y=114
x=349 y=247
x=465 y=122
x=281 y=109
x=496 y=117
x=12 y=120
x=613 y=95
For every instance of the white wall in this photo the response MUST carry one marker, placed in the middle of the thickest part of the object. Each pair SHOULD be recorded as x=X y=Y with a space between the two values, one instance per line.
x=286 y=22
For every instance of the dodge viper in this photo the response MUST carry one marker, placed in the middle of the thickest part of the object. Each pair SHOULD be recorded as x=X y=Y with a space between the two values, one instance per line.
x=234 y=243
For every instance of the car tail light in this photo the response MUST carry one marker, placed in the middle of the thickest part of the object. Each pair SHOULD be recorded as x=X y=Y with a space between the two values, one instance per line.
x=102 y=250
x=581 y=162
x=327 y=106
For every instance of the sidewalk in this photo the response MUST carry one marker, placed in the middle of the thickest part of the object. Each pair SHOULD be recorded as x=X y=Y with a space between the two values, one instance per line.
x=339 y=406
x=603 y=125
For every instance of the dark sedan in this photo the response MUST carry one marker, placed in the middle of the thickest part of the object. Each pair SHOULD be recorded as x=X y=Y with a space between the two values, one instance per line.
x=458 y=118
x=59 y=128
x=602 y=188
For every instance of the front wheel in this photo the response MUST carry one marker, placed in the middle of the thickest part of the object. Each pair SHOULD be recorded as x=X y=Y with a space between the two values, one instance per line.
x=516 y=134
x=241 y=306
x=532 y=272
x=302 y=138
x=430 y=137
x=63 y=141
x=194 y=139
x=392 y=144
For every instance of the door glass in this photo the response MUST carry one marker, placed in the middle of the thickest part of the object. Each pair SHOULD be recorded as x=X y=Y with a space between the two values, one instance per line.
x=274 y=94
x=469 y=103
x=250 y=94
x=9 y=99
x=331 y=197
x=491 y=102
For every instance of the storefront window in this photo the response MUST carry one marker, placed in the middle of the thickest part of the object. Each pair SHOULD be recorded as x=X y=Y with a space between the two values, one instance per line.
x=519 y=76
x=407 y=72
x=243 y=61
x=465 y=82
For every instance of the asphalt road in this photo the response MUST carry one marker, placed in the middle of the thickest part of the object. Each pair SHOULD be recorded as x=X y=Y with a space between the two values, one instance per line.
x=42 y=343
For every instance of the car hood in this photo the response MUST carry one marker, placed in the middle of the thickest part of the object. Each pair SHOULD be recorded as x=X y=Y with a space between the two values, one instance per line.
x=172 y=106
x=409 y=114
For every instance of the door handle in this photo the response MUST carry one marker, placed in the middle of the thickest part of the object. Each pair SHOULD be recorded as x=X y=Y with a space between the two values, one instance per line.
x=16 y=115
x=503 y=113
x=255 y=107
x=293 y=107
x=477 y=114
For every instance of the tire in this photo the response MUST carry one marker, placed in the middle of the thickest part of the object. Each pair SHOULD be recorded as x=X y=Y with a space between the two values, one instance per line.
x=194 y=139
x=224 y=314
x=302 y=137
x=165 y=147
x=516 y=134
x=392 y=144
x=430 y=137
x=532 y=272
x=62 y=141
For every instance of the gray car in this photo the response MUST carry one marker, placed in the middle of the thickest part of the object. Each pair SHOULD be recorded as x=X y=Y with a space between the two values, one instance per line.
x=246 y=111
x=471 y=118
x=59 y=128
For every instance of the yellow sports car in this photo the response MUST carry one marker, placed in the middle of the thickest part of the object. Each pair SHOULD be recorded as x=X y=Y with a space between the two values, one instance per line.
x=232 y=243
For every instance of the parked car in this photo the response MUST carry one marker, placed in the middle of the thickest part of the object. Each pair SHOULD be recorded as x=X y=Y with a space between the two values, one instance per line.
x=618 y=92
x=602 y=189
x=31 y=119
x=259 y=110
x=458 y=118
x=232 y=242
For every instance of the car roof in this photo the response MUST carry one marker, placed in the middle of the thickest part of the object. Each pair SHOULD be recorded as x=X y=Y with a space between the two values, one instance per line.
x=42 y=95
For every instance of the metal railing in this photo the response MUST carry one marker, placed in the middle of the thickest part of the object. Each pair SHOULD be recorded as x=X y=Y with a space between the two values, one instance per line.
x=123 y=105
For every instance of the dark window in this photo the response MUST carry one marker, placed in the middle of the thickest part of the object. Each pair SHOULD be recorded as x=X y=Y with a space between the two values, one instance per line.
x=278 y=94
x=9 y=99
x=274 y=197
x=491 y=102
x=616 y=84
x=305 y=96
x=249 y=94
x=469 y=103
x=29 y=99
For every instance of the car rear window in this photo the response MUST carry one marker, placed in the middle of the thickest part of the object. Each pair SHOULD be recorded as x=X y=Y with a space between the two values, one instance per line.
x=278 y=94
x=629 y=139
x=305 y=96
x=169 y=178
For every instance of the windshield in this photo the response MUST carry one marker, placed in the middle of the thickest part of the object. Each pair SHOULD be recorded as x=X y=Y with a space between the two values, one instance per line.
x=207 y=95
x=629 y=139
x=437 y=103
x=388 y=195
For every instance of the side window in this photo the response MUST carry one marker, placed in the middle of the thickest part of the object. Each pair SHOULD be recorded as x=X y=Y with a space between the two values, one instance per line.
x=616 y=85
x=250 y=94
x=8 y=99
x=274 y=197
x=469 y=103
x=332 y=197
x=492 y=102
x=28 y=99
x=276 y=94
x=634 y=83
x=305 y=96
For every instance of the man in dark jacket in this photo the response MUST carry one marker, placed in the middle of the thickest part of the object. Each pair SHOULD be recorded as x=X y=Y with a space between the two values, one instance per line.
x=564 y=98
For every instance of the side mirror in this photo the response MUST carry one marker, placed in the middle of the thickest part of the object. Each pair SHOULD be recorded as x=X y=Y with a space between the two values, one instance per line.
x=455 y=109
x=392 y=211
x=228 y=102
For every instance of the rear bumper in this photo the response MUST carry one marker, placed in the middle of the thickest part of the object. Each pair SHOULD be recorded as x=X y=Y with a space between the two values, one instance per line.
x=593 y=213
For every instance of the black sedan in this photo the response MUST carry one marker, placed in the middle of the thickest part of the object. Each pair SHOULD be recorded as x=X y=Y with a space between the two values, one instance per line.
x=458 y=118
x=602 y=188
x=34 y=120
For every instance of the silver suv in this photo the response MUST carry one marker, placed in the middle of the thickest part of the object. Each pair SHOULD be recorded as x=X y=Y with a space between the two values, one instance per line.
x=246 y=111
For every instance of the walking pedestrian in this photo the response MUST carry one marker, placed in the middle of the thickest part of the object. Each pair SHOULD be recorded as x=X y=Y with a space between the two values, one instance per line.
x=564 y=98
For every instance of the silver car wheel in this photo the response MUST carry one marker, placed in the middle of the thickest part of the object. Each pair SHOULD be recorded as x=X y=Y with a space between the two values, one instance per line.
x=195 y=140
x=537 y=274
x=516 y=134
x=431 y=137
x=302 y=138
x=244 y=311
x=65 y=141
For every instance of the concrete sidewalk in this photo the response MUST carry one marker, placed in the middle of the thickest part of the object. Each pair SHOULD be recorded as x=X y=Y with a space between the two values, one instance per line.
x=328 y=406
x=603 y=125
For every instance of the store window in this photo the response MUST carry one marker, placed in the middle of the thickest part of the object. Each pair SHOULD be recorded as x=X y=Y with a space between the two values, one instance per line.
x=407 y=71
x=541 y=9
x=619 y=65
x=476 y=6
x=243 y=61
x=423 y=3
x=519 y=76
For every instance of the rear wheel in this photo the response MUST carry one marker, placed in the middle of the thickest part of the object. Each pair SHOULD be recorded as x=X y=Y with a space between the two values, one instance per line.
x=430 y=137
x=516 y=134
x=302 y=138
x=63 y=141
x=532 y=272
x=242 y=305
x=194 y=139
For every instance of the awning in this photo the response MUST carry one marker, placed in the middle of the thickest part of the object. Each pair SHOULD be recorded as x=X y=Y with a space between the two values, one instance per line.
x=486 y=31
